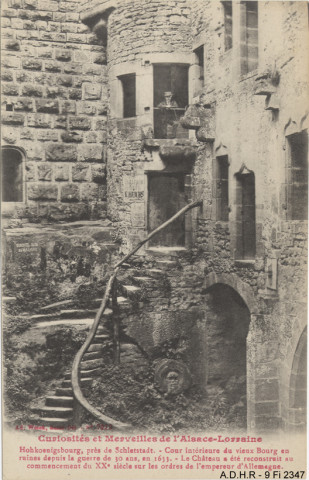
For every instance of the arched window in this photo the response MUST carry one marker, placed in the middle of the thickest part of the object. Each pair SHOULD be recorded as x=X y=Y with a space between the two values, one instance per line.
x=12 y=181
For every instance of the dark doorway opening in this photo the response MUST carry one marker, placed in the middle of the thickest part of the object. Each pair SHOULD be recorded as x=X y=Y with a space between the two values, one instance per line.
x=165 y=198
x=227 y=326
x=12 y=175
x=298 y=386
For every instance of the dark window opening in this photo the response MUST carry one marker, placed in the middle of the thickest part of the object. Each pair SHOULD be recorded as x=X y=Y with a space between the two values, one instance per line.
x=170 y=97
x=222 y=188
x=129 y=95
x=199 y=58
x=249 y=36
x=9 y=107
x=12 y=175
x=298 y=194
x=228 y=25
x=245 y=216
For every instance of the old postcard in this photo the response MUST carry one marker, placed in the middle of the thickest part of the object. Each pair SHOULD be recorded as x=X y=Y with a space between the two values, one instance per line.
x=154 y=167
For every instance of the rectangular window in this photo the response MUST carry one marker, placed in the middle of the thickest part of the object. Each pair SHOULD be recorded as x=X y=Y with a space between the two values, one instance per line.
x=228 y=25
x=199 y=59
x=298 y=191
x=245 y=216
x=222 y=188
x=170 y=97
x=249 y=36
x=129 y=95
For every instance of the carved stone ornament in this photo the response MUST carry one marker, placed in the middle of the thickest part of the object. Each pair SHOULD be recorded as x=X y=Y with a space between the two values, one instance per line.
x=201 y=118
x=172 y=376
x=267 y=82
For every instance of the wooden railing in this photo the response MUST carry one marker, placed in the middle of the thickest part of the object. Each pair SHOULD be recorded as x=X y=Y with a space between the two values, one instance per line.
x=111 y=289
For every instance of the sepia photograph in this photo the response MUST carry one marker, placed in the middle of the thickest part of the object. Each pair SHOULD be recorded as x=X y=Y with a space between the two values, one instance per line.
x=154 y=222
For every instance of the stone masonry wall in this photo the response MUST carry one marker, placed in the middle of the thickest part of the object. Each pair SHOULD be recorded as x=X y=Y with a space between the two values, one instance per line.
x=54 y=107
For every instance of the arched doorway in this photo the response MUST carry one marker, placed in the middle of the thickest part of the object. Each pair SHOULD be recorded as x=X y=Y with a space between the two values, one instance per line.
x=227 y=325
x=298 y=386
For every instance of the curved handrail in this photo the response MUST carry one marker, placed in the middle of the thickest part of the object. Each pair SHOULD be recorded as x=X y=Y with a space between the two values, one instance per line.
x=77 y=392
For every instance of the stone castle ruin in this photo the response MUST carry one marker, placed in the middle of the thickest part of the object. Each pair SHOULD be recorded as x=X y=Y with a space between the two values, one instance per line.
x=115 y=117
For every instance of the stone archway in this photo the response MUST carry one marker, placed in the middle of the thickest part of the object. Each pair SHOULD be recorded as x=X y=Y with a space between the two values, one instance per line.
x=226 y=330
x=298 y=386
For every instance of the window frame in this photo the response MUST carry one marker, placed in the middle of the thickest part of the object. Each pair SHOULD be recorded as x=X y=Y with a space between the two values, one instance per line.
x=123 y=87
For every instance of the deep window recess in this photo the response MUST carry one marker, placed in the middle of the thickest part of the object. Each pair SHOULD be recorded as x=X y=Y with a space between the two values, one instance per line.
x=199 y=58
x=245 y=216
x=249 y=36
x=129 y=95
x=11 y=175
x=228 y=25
x=298 y=185
x=170 y=97
x=222 y=188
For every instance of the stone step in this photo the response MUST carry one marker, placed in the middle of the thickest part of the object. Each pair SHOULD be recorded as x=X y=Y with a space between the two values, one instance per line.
x=9 y=299
x=91 y=364
x=57 y=401
x=56 y=305
x=168 y=252
x=66 y=392
x=59 y=412
x=131 y=291
x=144 y=281
x=166 y=264
x=77 y=313
x=65 y=321
x=92 y=355
x=154 y=273
x=96 y=347
x=99 y=339
x=42 y=316
x=83 y=381
x=54 y=422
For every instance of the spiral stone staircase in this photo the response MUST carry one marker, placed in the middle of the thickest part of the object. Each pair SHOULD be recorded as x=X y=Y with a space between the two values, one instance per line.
x=141 y=280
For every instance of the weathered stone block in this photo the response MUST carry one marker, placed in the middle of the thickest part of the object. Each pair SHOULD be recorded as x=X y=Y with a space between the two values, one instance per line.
x=47 y=106
x=90 y=153
x=45 y=172
x=79 y=123
x=23 y=104
x=30 y=4
x=65 y=80
x=52 y=67
x=100 y=59
x=85 y=108
x=32 y=91
x=9 y=135
x=70 y=193
x=38 y=120
x=10 y=89
x=75 y=94
x=90 y=192
x=98 y=173
x=13 y=119
x=61 y=172
x=177 y=152
x=80 y=173
x=63 y=55
x=61 y=153
x=42 y=192
x=47 y=135
x=71 y=137
x=32 y=64
x=68 y=107
x=73 y=68
x=92 y=91
x=12 y=45
x=60 y=122
x=31 y=172
x=6 y=76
